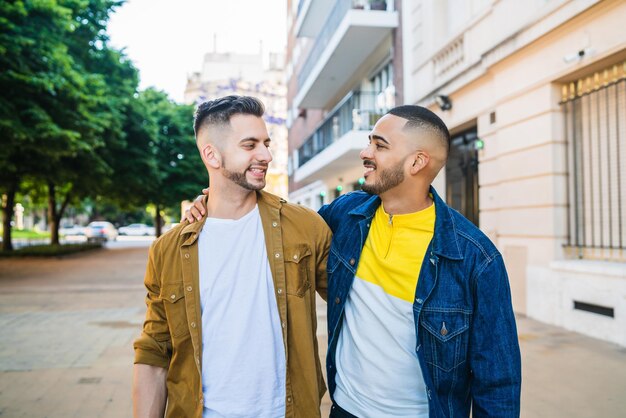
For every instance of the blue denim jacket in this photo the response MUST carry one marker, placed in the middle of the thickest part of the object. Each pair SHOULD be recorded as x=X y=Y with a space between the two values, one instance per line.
x=474 y=360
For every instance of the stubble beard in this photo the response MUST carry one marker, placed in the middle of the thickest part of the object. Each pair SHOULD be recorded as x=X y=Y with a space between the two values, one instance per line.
x=239 y=178
x=387 y=179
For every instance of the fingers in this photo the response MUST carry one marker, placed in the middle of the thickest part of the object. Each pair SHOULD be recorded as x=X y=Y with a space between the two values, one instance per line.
x=205 y=191
x=195 y=212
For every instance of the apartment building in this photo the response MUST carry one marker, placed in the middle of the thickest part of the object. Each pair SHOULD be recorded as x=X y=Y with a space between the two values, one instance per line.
x=341 y=76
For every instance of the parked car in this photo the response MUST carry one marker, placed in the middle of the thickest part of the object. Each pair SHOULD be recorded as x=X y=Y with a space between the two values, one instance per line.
x=72 y=230
x=100 y=231
x=137 y=230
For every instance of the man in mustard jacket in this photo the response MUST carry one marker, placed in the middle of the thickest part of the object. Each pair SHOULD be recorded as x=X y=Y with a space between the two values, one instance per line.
x=230 y=327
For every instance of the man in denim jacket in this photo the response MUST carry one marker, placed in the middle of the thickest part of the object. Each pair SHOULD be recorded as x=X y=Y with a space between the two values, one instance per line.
x=420 y=319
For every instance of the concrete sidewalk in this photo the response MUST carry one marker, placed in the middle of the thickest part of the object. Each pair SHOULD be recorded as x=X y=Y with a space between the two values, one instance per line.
x=68 y=326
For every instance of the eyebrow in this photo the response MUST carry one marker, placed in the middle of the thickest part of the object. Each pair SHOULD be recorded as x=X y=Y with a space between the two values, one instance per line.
x=251 y=138
x=379 y=138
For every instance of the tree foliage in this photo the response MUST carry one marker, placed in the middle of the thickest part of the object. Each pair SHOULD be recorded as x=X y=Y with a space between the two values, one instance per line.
x=71 y=117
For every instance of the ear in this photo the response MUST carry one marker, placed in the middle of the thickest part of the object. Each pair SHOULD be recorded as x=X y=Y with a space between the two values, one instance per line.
x=420 y=160
x=211 y=156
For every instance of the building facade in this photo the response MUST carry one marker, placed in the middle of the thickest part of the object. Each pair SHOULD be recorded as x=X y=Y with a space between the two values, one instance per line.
x=534 y=93
x=341 y=76
x=252 y=75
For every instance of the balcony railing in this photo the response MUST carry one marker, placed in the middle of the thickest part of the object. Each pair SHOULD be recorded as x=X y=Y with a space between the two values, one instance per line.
x=330 y=27
x=357 y=112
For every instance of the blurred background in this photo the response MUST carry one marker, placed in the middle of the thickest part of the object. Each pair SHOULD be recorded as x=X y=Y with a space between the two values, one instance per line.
x=97 y=145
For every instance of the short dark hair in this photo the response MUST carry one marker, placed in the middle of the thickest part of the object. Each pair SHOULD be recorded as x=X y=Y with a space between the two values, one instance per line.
x=422 y=118
x=219 y=111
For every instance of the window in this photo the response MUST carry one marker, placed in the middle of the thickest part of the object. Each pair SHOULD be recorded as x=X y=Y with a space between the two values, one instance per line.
x=596 y=155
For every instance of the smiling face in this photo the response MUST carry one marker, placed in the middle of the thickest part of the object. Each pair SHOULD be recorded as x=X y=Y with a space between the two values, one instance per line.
x=386 y=158
x=242 y=156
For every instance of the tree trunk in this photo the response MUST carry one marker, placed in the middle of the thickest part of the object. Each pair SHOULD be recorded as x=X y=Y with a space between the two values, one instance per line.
x=53 y=223
x=157 y=221
x=7 y=215
x=54 y=214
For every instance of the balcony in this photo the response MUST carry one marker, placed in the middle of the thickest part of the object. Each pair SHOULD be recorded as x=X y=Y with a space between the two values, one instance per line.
x=336 y=143
x=352 y=41
x=311 y=17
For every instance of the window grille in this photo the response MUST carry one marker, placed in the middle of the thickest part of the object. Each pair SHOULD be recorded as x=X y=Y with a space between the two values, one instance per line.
x=595 y=127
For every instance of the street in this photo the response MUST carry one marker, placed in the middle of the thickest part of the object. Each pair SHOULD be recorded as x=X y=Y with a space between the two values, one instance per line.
x=68 y=326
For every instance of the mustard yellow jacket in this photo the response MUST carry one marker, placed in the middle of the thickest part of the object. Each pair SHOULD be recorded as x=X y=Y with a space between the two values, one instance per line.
x=297 y=241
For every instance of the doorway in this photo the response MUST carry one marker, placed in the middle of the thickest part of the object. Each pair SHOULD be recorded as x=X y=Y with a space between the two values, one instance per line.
x=462 y=174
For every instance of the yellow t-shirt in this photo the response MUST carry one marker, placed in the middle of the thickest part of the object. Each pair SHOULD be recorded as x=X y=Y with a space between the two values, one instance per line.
x=394 y=250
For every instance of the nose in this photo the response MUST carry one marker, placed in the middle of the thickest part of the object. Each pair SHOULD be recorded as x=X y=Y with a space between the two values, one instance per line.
x=366 y=153
x=264 y=154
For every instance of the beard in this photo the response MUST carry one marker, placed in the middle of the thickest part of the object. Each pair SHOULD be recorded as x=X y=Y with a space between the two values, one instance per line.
x=387 y=179
x=239 y=178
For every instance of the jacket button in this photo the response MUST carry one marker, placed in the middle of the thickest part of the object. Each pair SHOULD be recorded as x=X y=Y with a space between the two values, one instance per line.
x=352 y=261
x=188 y=288
x=186 y=255
x=193 y=325
x=444 y=330
x=337 y=300
x=173 y=296
x=274 y=224
x=279 y=291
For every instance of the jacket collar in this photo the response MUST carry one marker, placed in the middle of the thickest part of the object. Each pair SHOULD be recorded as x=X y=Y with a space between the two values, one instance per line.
x=193 y=230
x=445 y=242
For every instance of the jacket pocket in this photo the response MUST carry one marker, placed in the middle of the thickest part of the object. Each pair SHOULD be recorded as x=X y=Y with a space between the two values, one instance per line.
x=173 y=297
x=297 y=260
x=446 y=337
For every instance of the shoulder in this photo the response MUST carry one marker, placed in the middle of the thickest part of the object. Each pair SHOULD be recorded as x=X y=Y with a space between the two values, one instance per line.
x=341 y=206
x=473 y=238
x=293 y=215
x=302 y=216
x=170 y=240
x=350 y=200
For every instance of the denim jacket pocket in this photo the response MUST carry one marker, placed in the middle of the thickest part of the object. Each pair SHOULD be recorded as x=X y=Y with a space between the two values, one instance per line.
x=446 y=338
x=173 y=297
x=297 y=260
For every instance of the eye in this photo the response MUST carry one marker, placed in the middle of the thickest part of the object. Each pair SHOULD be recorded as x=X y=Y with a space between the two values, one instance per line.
x=248 y=146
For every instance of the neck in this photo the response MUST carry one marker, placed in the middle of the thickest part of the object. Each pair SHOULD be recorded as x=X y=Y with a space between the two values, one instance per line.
x=230 y=202
x=401 y=200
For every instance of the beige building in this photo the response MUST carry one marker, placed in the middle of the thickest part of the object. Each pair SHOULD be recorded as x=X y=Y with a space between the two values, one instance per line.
x=249 y=74
x=535 y=95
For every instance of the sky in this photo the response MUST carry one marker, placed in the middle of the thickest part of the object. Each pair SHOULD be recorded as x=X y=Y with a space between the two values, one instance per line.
x=167 y=39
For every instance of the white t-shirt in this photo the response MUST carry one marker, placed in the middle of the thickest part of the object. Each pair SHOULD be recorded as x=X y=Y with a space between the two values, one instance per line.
x=243 y=356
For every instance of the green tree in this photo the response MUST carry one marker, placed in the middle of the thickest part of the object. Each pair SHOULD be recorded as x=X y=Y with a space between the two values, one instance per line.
x=35 y=71
x=112 y=83
x=180 y=171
